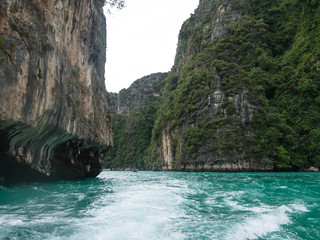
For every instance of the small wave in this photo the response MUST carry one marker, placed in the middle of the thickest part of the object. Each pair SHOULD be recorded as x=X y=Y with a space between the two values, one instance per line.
x=299 y=207
x=11 y=220
x=80 y=197
x=247 y=207
x=259 y=226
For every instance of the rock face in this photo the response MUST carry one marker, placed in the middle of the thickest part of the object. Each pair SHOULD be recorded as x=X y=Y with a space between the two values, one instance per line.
x=243 y=94
x=53 y=107
x=133 y=115
x=207 y=124
x=140 y=94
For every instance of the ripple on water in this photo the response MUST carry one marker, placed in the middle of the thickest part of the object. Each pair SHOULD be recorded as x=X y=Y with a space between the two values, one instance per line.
x=148 y=205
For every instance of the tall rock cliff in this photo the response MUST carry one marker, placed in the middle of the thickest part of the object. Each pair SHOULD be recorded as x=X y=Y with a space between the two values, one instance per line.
x=133 y=115
x=244 y=91
x=54 y=119
x=140 y=94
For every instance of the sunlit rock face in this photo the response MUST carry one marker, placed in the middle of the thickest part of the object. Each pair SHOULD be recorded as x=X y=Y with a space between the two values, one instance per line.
x=54 y=116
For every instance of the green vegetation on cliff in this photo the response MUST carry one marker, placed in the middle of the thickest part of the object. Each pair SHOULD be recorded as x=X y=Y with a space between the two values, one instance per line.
x=271 y=50
x=134 y=112
x=132 y=136
x=287 y=126
x=244 y=92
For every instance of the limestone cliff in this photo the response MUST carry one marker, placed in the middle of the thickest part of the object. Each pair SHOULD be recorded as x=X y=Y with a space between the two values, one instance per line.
x=53 y=106
x=208 y=125
x=133 y=115
x=140 y=94
x=243 y=94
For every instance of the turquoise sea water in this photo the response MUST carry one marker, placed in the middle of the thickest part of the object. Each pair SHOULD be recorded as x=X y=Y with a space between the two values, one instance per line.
x=165 y=205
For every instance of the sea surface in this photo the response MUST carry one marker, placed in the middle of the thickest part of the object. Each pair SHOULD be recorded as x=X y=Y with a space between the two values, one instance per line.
x=165 y=205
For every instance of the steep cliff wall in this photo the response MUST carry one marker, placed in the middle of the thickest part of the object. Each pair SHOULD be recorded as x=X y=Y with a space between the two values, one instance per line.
x=133 y=115
x=207 y=121
x=224 y=105
x=140 y=94
x=53 y=106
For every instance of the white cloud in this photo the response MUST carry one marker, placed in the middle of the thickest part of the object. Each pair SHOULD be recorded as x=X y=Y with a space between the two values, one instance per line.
x=142 y=39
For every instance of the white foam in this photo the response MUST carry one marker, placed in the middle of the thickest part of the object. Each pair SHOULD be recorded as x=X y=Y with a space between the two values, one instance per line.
x=81 y=197
x=299 y=207
x=259 y=226
x=11 y=220
x=256 y=209
x=137 y=211
x=153 y=207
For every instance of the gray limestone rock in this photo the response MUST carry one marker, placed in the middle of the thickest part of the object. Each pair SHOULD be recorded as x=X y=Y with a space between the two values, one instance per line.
x=54 y=116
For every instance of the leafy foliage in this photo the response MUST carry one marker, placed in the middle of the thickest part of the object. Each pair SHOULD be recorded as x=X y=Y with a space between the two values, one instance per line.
x=132 y=128
x=273 y=52
x=118 y=4
x=266 y=53
x=132 y=136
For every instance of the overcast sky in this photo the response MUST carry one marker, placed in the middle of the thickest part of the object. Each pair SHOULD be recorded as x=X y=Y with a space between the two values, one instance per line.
x=142 y=39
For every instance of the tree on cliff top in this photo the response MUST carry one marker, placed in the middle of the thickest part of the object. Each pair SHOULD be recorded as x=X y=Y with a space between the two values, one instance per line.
x=119 y=4
x=116 y=3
